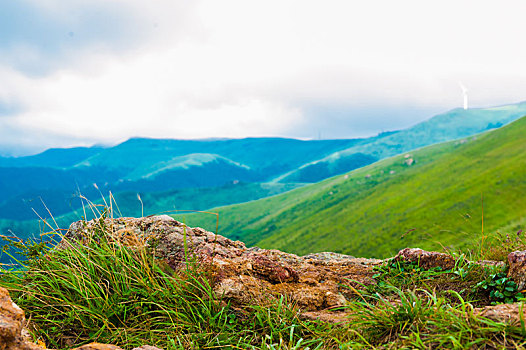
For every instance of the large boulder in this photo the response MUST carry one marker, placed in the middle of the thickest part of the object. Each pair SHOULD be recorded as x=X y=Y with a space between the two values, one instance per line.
x=242 y=275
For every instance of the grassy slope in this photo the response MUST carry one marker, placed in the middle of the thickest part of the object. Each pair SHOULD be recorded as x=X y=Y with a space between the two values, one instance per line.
x=148 y=165
x=438 y=198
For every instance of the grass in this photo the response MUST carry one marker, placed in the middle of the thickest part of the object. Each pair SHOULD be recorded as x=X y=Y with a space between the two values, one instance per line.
x=411 y=307
x=103 y=291
x=429 y=322
x=379 y=209
x=106 y=292
x=497 y=246
x=454 y=124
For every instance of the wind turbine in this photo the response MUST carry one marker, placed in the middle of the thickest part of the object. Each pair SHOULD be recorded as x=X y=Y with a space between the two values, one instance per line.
x=465 y=93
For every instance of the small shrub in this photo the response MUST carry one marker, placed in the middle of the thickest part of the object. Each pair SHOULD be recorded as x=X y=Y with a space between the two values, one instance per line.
x=501 y=289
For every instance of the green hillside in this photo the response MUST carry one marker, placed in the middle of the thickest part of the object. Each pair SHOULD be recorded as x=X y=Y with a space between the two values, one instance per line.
x=149 y=165
x=377 y=210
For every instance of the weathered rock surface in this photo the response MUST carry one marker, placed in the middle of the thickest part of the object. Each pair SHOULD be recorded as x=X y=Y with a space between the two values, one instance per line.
x=315 y=282
x=507 y=313
x=98 y=346
x=12 y=321
x=517 y=271
x=147 y=347
x=425 y=259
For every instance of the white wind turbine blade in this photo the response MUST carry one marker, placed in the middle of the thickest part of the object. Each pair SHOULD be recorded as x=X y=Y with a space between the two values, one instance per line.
x=464 y=93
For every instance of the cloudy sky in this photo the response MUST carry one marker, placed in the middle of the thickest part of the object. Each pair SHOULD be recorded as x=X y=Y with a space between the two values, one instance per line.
x=80 y=72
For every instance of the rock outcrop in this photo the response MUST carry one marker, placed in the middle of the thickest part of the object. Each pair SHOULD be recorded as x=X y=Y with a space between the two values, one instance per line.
x=316 y=282
x=425 y=259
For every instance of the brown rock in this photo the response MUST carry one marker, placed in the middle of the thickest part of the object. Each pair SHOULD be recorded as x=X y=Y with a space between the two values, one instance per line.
x=12 y=321
x=426 y=259
x=329 y=317
x=242 y=275
x=147 y=347
x=506 y=313
x=98 y=346
x=517 y=271
x=11 y=317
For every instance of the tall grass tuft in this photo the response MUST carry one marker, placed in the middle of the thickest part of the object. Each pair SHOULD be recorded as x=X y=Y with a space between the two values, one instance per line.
x=96 y=289
x=421 y=320
x=101 y=290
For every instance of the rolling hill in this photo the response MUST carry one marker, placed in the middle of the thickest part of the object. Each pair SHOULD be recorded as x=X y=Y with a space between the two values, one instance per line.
x=156 y=165
x=427 y=198
x=265 y=157
x=52 y=158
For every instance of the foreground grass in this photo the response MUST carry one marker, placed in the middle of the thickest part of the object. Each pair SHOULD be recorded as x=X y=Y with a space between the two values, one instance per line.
x=106 y=292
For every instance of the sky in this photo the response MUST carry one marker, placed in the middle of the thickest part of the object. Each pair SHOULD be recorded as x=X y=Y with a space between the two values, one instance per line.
x=84 y=72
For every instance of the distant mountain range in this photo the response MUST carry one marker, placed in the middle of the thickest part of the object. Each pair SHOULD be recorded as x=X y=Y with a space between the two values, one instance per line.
x=149 y=165
x=154 y=167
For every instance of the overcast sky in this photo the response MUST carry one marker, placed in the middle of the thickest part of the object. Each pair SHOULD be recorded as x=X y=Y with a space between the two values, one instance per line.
x=79 y=72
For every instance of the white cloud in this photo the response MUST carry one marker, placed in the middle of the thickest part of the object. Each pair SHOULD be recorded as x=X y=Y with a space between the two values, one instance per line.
x=115 y=104
x=249 y=68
